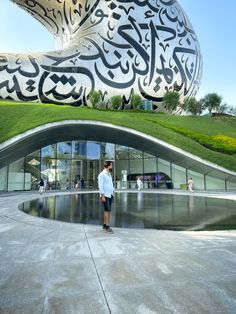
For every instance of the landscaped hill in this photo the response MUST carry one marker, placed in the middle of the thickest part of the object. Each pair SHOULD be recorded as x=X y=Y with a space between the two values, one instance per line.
x=211 y=138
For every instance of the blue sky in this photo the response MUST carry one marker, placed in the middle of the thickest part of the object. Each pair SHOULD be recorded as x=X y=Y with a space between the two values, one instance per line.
x=213 y=20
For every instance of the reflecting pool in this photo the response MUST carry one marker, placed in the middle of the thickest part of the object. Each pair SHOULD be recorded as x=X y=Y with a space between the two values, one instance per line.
x=139 y=210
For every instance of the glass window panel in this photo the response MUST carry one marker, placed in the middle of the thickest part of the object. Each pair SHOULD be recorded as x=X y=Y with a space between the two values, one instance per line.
x=108 y=151
x=150 y=172
x=136 y=170
x=93 y=150
x=79 y=149
x=16 y=176
x=150 y=165
x=121 y=173
x=231 y=185
x=164 y=166
x=35 y=154
x=178 y=176
x=32 y=172
x=63 y=174
x=163 y=178
x=198 y=179
x=64 y=150
x=92 y=172
x=76 y=173
x=135 y=153
x=49 y=151
x=122 y=152
x=213 y=183
x=3 y=179
x=48 y=172
x=146 y=155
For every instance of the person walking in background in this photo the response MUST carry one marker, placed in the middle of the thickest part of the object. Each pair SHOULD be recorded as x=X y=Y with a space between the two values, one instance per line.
x=77 y=185
x=41 y=186
x=139 y=184
x=82 y=183
x=106 y=191
x=45 y=185
x=190 y=185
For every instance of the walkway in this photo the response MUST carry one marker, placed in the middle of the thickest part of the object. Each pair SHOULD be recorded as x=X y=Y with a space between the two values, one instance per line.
x=54 y=267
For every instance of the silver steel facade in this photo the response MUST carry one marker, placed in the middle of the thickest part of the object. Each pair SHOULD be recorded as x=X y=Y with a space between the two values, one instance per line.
x=115 y=47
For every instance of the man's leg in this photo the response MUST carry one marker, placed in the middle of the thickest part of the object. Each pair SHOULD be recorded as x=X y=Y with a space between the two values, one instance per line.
x=106 y=218
x=106 y=215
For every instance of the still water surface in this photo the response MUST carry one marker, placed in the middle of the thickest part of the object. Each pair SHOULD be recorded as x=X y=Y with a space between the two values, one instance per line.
x=139 y=210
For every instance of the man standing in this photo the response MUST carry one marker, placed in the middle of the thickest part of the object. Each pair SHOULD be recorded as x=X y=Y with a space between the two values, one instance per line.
x=106 y=190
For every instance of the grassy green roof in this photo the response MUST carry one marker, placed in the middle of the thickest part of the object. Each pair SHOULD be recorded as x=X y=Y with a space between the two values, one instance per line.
x=190 y=133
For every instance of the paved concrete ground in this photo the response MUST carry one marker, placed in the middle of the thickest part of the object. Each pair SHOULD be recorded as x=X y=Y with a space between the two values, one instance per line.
x=55 y=267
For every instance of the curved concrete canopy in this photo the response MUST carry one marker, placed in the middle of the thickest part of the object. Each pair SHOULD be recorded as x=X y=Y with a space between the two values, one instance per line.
x=38 y=137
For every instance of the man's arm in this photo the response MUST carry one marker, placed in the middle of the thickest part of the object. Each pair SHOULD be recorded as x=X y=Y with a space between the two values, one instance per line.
x=100 y=184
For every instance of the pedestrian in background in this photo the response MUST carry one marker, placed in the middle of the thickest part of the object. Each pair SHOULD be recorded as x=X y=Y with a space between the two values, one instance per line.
x=41 y=186
x=139 y=184
x=190 y=185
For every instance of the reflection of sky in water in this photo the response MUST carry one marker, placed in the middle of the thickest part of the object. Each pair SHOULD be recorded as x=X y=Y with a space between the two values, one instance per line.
x=139 y=210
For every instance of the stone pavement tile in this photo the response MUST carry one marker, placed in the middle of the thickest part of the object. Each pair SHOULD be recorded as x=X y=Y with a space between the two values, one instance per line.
x=201 y=297
x=68 y=250
x=73 y=276
x=149 y=299
x=68 y=236
x=22 y=303
x=119 y=272
x=225 y=290
x=216 y=261
x=6 y=269
x=200 y=264
x=81 y=303
x=12 y=232
x=70 y=227
x=118 y=244
x=231 y=249
x=37 y=252
x=10 y=250
x=186 y=242
x=43 y=236
x=161 y=268
x=184 y=297
x=26 y=278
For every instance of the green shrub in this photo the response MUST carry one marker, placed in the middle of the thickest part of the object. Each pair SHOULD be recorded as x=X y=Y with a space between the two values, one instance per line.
x=136 y=101
x=94 y=98
x=116 y=101
x=219 y=143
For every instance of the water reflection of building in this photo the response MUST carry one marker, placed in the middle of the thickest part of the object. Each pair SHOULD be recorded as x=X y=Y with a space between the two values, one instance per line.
x=139 y=210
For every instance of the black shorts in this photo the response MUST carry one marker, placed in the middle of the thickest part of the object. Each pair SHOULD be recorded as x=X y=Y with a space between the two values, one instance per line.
x=107 y=204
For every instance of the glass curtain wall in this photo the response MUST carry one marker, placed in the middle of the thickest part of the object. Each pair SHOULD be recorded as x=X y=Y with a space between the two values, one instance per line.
x=76 y=165
x=17 y=177
x=3 y=179
x=32 y=169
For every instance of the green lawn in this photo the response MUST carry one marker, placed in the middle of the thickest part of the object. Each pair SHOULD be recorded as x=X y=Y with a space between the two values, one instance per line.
x=17 y=117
